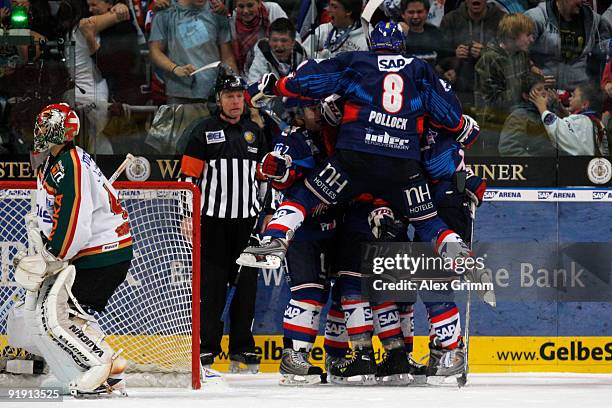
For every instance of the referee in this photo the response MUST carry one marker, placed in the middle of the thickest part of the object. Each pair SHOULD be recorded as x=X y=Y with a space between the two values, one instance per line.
x=221 y=158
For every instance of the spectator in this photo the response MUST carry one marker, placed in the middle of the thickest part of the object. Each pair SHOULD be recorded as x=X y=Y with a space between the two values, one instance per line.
x=498 y=77
x=421 y=38
x=569 y=39
x=581 y=133
x=118 y=54
x=606 y=86
x=467 y=29
x=250 y=22
x=91 y=93
x=523 y=133
x=119 y=61
x=184 y=37
x=29 y=74
x=280 y=55
x=515 y=6
x=342 y=33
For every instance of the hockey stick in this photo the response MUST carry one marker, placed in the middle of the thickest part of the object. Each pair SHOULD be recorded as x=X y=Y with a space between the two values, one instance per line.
x=205 y=67
x=234 y=285
x=121 y=168
x=462 y=381
x=282 y=125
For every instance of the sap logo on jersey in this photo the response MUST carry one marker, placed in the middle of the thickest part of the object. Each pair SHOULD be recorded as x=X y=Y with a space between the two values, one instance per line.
x=292 y=312
x=387 y=140
x=388 y=318
x=392 y=63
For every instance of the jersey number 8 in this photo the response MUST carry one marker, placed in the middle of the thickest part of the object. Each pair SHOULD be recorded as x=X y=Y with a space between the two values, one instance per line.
x=392 y=98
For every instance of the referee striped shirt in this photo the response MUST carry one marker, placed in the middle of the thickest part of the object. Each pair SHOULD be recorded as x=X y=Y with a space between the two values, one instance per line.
x=222 y=159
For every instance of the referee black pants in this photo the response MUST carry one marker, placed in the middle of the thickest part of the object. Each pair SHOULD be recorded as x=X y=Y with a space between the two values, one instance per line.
x=222 y=241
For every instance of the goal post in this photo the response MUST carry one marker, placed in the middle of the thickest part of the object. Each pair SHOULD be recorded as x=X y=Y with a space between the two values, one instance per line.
x=154 y=315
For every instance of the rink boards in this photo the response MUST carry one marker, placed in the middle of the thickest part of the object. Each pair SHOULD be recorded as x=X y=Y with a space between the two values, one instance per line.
x=522 y=335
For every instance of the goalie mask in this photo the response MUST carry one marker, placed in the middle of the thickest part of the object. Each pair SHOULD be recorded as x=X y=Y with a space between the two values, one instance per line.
x=55 y=124
x=387 y=36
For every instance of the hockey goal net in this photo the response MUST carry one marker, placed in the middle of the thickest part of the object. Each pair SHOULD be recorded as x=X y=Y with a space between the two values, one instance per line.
x=154 y=315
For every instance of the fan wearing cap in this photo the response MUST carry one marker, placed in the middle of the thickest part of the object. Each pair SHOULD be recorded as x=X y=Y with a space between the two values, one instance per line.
x=222 y=158
x=83 y=246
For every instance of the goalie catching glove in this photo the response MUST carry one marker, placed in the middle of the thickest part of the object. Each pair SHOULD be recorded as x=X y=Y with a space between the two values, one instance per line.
x=31 y=270
x=275 y=166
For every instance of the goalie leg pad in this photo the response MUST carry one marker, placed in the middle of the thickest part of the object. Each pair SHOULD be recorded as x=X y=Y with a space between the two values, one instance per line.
x=78 y=336
x=61 y=364
x=21 y=328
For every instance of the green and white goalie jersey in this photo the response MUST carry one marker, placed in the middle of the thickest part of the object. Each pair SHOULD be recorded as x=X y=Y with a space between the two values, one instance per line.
x=79 y=213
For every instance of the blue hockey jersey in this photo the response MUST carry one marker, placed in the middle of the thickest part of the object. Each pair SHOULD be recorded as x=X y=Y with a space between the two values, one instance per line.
x=388 y=96
x=306 y=153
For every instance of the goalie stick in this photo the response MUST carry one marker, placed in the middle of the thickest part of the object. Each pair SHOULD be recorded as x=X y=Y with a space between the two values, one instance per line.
x=128 y=159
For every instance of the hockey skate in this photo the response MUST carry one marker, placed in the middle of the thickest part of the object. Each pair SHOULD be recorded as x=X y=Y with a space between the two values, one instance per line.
x=115 y=384
x=297 y=370
x=244 y=362
x=417 y=370
x=445 y=364
x=329 y=361
x=207 y=359
x=359 y=370
x=394 y=369
x=268 y=255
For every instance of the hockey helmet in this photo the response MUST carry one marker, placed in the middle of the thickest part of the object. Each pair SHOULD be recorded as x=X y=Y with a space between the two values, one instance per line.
x=55 y=124
x=386 y=35
x=228 y=82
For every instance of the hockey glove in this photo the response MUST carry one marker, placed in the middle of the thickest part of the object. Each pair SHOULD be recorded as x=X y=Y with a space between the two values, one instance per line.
x=383 y=224
x=261 y=92
x=475 y=188
x=275 y=166
x=330 y=110
x=469 y=132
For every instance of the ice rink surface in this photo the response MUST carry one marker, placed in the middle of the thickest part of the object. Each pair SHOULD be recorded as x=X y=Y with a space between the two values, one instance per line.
x=262 y=390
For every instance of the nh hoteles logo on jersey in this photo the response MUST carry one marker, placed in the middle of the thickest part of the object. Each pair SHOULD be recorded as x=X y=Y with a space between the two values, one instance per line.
x=392 y=63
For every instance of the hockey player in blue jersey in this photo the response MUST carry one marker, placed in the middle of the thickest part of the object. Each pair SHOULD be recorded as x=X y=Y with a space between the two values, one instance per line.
x=388 y=96
x=309 y=256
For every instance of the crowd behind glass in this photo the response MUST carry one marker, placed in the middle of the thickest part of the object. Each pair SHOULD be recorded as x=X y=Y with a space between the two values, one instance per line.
x=536 y=75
